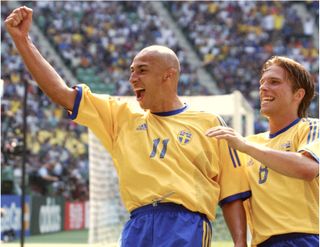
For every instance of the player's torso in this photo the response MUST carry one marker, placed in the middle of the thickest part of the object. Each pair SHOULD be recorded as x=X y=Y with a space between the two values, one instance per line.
x=281 y=204
x=157 y=155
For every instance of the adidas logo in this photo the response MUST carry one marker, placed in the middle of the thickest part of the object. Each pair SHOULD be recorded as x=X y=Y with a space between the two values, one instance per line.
x=142 y=127
x=286 y=146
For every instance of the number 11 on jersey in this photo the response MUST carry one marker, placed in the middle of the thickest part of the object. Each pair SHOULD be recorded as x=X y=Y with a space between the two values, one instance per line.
x=155 y=147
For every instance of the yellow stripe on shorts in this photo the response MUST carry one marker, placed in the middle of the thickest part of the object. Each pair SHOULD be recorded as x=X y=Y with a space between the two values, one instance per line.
x=210 y=235
x=206 y=237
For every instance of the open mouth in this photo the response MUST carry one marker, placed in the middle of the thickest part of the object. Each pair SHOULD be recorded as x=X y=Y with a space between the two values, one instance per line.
x=267 y=99
x=139 y=93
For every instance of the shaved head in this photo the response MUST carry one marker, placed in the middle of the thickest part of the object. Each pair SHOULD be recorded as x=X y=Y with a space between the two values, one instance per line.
x=163 y=53
x=154 y=77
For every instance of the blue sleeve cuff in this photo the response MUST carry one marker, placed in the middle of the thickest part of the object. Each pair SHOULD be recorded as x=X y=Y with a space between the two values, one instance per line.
x=76 y=105
x=241 y=196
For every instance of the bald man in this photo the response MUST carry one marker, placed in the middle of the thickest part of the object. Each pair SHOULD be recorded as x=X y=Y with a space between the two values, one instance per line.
x=171 y=176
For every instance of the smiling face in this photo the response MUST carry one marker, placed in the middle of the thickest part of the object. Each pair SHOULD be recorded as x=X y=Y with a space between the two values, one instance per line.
x=277 y=98
x=150 y=71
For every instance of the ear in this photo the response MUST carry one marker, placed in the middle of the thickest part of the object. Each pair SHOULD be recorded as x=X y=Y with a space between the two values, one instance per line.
x=169 y=74
x=299 y=94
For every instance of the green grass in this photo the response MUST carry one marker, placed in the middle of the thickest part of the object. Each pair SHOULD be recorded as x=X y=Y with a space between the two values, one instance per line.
x=222 y=244
x=79 y=237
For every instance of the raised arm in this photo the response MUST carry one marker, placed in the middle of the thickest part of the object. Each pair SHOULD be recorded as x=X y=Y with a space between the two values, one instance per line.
x=18 y=24
x=291 y=164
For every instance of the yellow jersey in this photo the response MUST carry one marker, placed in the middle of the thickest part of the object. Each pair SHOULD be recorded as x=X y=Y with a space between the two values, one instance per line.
x=159 y=154
x=282 y=204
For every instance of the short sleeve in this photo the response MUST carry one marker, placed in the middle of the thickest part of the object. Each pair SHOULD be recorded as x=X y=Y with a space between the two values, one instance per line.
x=102 y=114
x=308 y=132
x=233 y=181
x=313 y=149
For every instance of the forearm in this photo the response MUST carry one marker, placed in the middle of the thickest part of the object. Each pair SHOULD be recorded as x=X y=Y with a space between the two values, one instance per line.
x=44 y=74
x=235 y=219
x=291 y=164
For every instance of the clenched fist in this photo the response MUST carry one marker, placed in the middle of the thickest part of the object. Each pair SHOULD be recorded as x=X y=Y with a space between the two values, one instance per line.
x=18 y=22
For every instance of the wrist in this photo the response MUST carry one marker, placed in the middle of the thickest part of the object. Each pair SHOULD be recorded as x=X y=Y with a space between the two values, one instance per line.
x=23 y=44
x=21 y=40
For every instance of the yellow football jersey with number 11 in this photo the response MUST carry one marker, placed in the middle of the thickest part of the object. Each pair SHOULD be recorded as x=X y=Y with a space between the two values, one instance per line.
x=163 y=154
x=281 y=204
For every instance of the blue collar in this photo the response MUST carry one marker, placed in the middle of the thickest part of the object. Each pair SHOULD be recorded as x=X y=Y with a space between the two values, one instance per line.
x=170 y=113
x=284 y=129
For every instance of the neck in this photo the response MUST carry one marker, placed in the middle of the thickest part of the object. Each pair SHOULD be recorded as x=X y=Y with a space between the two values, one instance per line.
x=276 y=124
x=168 y=105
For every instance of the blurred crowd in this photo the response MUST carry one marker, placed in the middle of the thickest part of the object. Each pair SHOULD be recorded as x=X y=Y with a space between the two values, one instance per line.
x=56 y=155
x=234 y=38
x=97 y=41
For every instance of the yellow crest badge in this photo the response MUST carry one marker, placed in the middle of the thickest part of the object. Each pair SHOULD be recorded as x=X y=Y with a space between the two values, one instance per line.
x=184 y=137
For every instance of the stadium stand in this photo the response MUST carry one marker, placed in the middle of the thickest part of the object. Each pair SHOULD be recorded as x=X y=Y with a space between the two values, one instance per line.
x=50 y=134
x=97 y=41
x=233 y=39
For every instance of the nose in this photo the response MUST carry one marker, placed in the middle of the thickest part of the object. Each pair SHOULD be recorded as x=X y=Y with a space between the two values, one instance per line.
x=263 y=86
x=133 y=78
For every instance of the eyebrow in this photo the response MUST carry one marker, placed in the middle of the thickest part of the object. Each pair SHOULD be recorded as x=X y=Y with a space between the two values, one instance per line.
x=141 y=66
x=268 y=78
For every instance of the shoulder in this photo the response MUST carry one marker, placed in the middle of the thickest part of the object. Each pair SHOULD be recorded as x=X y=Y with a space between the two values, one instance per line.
x=258 y=137
x=308 y=125
x=89 y=97
x=84 y=92
x=308 y=129
x=309 y=122
x=206 y=116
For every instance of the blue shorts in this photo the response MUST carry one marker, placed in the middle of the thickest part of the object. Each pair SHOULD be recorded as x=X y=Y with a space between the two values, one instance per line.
x=292 y=240
x=166 y=225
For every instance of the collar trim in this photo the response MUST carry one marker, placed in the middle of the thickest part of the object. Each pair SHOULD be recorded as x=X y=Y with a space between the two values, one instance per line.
x=284 y=129
x=171 y=113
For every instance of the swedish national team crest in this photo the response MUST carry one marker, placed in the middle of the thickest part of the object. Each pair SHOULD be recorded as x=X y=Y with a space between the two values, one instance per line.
x=184 y=136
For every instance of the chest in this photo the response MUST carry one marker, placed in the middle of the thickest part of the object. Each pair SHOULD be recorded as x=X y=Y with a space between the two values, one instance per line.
x=162 y=136
x=261 y=175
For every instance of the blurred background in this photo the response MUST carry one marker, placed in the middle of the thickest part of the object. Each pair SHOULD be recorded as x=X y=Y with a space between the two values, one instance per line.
x=221 y=47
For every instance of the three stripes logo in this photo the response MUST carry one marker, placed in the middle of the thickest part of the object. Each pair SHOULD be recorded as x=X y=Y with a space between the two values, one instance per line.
x=313 y=130
x=143 y=126
x=233 y=153
x=234 y=157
